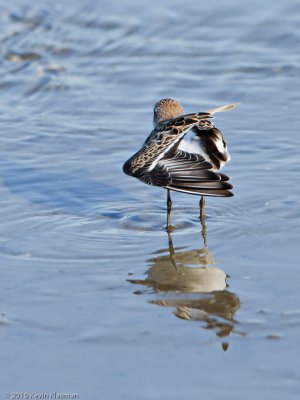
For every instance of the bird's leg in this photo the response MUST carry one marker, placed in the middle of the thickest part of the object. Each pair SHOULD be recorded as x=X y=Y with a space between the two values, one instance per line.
x=169 y=205
x=202 y=204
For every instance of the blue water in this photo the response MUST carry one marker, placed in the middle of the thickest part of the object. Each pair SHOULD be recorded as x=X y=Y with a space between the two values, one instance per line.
x=96 y=299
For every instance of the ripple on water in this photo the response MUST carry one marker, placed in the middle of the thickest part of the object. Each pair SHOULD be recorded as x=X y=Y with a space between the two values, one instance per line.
x=153 y=221
x=78 y=82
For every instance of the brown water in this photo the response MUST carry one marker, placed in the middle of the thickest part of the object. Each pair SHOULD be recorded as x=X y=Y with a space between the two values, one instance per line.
x=96 y=298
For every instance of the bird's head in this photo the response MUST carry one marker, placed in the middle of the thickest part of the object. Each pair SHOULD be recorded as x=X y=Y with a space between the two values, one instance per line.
x=166 y=109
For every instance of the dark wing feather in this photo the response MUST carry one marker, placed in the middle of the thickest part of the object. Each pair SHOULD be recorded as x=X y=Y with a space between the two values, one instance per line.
x=189 y=173
x=166 y=135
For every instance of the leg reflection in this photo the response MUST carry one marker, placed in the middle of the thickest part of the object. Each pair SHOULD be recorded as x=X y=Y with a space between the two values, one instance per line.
x=173 y=274
x=202 y=221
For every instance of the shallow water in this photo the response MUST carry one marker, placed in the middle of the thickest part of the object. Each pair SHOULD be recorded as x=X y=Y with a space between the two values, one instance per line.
x=96 y=298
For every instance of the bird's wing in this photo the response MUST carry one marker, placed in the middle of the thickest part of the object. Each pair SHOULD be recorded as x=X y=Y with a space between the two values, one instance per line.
x=223 y=108
x=162 y=140
x=189 y=173
x=165 y=138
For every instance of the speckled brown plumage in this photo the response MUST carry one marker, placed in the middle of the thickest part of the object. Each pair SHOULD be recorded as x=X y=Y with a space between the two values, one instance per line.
x=161 y=161
x=161 y=138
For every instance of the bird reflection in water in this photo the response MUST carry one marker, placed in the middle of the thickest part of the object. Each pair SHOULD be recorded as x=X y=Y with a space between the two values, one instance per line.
x=192 y=284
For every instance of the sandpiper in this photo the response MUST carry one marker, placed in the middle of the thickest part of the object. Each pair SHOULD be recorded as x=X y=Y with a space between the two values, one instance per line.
x=183 y=153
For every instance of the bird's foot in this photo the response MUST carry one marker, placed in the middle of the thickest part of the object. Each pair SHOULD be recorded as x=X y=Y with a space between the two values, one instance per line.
x=170 y=228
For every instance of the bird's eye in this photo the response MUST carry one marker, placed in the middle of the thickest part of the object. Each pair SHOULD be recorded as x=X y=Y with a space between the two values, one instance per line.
x=224 y=144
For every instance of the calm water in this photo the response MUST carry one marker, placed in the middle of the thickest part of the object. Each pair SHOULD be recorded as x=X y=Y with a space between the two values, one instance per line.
x=95 y=298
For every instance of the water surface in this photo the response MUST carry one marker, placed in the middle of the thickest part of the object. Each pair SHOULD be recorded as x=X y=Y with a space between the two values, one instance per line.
x=95 y=297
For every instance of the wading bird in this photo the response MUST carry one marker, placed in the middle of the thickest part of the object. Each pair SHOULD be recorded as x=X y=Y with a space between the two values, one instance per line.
x=183 y=153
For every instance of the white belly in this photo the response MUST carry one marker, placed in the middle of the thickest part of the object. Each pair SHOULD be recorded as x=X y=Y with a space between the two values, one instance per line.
x=192 y=144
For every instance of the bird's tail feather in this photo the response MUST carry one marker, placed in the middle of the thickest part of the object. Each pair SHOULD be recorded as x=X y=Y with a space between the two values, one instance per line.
x=204 y=192
x=223 y=108
x=212 y=188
